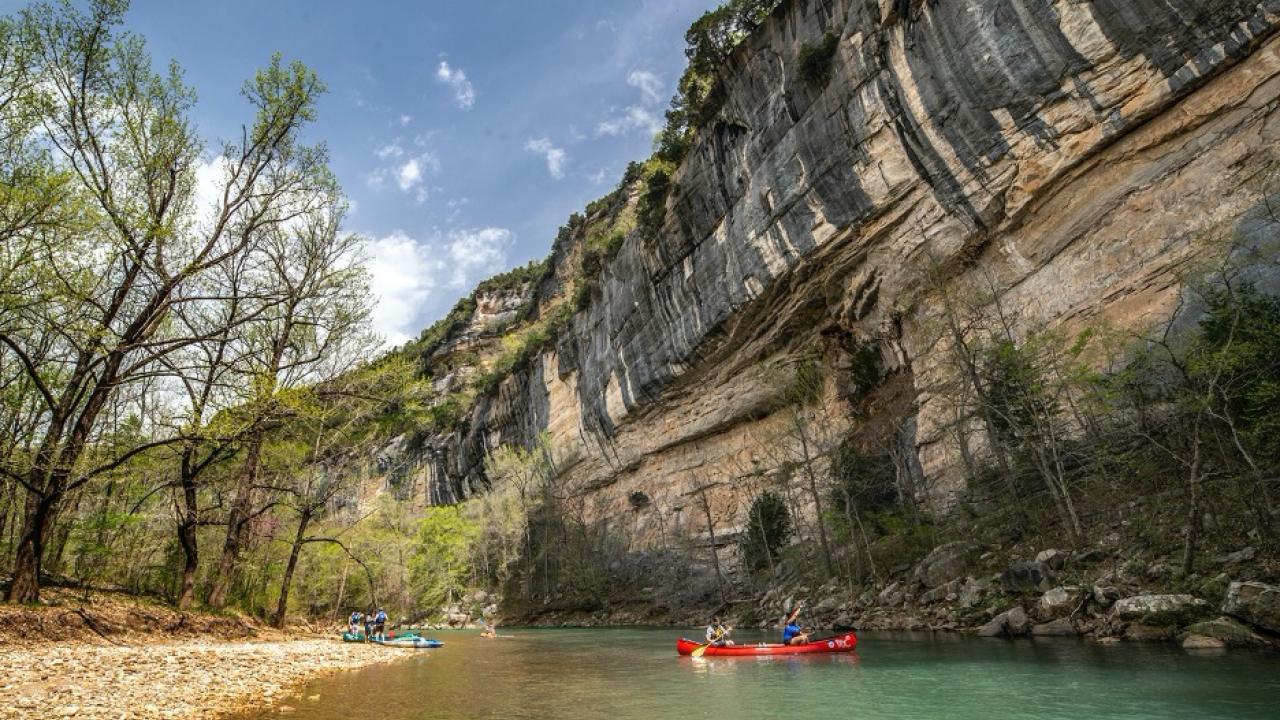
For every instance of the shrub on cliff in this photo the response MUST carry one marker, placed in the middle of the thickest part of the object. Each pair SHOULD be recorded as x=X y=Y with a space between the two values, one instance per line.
x=814 y=61
x=652 y=208
x=767 y=532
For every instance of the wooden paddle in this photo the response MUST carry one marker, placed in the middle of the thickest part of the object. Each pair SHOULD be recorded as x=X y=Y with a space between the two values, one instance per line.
x=701 y=649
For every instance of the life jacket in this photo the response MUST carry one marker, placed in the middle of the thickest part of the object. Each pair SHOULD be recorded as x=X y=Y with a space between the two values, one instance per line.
x=381 y=617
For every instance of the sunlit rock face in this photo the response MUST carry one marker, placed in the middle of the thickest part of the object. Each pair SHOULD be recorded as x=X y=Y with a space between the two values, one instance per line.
x=1072 y=155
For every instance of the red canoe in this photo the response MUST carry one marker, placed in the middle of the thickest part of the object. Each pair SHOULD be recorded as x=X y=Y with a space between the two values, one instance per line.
x=837 y=644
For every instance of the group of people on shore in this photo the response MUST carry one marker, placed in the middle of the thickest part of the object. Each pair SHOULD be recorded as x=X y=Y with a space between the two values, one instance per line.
x=792 y=632
x=373 y=624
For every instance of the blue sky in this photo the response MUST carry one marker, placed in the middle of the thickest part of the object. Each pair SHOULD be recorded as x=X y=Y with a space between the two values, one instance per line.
x=465 y=133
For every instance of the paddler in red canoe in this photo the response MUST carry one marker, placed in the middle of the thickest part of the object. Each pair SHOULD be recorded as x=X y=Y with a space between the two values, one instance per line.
x=718 y=634
x=792 y=634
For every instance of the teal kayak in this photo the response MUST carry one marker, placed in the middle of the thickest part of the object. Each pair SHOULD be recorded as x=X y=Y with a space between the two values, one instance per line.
x=359 y=637
x=410 y=642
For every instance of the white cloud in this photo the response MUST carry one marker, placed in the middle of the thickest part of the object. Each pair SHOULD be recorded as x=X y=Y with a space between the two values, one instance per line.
x=649 y=85
x=464 y=94
x=475 y=253
x=555 y=156
x=643 y=116
x=210 y=182
x=630 y=119
x=409 y=172
x=404 y=272
x=455 y=207
x=402 y=275
x=405 y=120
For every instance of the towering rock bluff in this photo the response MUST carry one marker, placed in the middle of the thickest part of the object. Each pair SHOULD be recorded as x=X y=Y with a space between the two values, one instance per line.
x=1070 y=156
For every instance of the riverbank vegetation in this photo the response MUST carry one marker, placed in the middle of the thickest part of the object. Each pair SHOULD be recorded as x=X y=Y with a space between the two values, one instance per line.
x=180 y=329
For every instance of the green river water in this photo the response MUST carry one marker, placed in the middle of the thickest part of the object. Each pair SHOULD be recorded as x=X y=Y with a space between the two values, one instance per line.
x=625 y=674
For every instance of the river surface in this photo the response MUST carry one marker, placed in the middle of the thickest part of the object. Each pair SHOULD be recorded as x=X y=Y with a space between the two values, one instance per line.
x=626 y=674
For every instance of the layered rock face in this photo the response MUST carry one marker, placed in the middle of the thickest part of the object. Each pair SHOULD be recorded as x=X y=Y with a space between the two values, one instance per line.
x=1072 y=156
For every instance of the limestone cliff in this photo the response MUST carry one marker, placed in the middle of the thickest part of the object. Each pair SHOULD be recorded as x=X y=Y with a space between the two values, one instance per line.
x=1070 y=153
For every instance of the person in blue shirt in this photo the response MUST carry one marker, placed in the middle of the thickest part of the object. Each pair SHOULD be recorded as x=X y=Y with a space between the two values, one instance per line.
x=792 y=634
x=354 y=622
x=380 y=623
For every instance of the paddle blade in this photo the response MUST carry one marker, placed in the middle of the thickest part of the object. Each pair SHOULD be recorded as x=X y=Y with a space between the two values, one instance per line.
x=698 y=651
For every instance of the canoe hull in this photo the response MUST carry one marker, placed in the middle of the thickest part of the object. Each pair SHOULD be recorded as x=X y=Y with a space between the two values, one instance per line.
x=836 y=644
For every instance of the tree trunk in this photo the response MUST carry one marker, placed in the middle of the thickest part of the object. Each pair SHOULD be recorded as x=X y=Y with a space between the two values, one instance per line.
x=342 y=591
x=850 y=557
x=57 y=550
x=813 y=489
x=854 y=518
x=1262 y=510
x=283 y=606
x=1193 y=505
x=190 y=564
x=10 y=491
x=36 y=522
x=237 y=518
x=187 y=535
x=970 y=369
x=715 y=556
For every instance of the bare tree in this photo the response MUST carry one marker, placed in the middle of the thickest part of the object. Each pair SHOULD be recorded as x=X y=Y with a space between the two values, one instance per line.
x=100 y=291
x=315 y=327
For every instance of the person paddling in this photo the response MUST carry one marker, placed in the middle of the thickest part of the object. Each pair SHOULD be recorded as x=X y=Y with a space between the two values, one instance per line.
x=718 y=634
x=792 y=634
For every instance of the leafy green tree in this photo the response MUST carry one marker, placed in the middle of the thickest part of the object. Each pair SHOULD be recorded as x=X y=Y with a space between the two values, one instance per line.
x=317 y=458
x=440 y=566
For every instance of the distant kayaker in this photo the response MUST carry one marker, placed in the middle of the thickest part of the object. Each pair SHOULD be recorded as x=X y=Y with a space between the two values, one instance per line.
x=718 y=634
x=355 y=622
x=792 y=634
x=489 y=631
x=380 y=623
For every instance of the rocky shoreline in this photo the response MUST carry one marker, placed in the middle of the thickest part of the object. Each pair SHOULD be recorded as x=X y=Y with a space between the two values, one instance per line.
x=964 y=587
x=111 y=655
x=171 y=681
